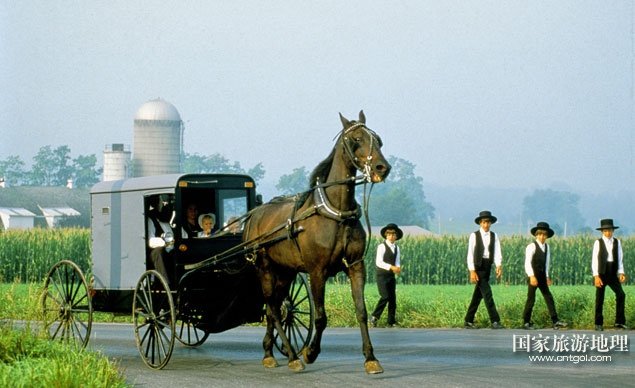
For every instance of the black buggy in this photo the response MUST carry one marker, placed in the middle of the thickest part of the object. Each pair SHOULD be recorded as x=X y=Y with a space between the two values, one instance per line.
x=211 y=285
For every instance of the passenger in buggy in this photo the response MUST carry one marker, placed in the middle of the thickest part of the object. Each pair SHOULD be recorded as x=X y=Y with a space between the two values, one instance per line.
x=206 y=221
x=234 y=225
x=160 y=233
x=190 y=226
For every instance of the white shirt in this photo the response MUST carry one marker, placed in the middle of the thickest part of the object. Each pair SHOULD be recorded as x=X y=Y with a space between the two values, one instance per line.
x=152 y=230
x=485 y=236
x=529 y=254
x=379 y=258
x=595 y=258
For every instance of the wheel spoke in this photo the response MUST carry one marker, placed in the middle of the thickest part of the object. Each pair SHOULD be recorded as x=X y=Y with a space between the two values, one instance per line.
x=153 y=312
x=66 y=304
x=57 y=329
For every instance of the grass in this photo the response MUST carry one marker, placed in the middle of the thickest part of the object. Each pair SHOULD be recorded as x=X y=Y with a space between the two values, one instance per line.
x=418 y=306
x=445 y=306
x=27 y=359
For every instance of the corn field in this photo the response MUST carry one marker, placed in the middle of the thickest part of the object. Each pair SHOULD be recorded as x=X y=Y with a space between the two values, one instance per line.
x=442 y=260
x=27 y=255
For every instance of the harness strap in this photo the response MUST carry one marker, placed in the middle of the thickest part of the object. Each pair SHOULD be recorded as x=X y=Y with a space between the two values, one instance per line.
x=324 y=207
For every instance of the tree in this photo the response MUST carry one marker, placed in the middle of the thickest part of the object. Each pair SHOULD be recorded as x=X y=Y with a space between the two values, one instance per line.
x=296 y=182
x=559 y=208
x=395 y=205
x=257 y=172
x=401 y=198
x=218 y=164
x=51 y=167
x=85 y=174
x=12 y=170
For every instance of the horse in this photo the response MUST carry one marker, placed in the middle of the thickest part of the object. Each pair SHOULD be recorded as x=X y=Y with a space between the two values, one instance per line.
x=332 y=239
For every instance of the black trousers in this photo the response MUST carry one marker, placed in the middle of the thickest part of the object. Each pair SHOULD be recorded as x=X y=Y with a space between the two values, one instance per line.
x=531 y=299
x=158 y=257
x=620 y=298
x=387 y=287
x=482 y=291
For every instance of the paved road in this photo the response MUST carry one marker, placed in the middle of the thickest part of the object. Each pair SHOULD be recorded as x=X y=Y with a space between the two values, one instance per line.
x=410 y=357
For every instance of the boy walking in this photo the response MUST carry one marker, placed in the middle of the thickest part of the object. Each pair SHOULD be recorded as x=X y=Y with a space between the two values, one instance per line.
x=608 y=270
x=537 y=259
x=483 y=250
x=388 y=264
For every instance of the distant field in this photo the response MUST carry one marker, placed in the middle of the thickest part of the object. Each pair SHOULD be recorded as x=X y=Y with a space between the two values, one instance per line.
x=419 y=306
x=27 y=256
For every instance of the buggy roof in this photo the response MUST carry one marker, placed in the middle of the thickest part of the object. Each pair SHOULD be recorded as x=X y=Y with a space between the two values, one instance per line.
x=158 y=182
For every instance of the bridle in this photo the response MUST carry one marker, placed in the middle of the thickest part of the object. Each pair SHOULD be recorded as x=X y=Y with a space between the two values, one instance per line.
x=322 y=203
x=367 y=162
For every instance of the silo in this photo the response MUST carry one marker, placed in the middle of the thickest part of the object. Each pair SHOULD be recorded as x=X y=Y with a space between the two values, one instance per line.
x=116 y=162
x=158 y=134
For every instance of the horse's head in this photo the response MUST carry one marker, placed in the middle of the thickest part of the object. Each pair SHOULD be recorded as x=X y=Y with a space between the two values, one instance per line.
x=363 y=147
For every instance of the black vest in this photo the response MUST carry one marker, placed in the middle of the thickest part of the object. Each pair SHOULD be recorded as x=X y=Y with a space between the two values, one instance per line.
x=158 y=230
x=603 y=257
x=479 y=248
x=390 y=257
x=539 y=261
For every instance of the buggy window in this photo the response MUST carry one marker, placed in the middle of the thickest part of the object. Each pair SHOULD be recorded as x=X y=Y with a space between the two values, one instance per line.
x=232 y=204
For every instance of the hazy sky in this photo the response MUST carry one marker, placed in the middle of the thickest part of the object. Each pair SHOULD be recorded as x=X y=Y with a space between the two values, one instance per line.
x=520 y=94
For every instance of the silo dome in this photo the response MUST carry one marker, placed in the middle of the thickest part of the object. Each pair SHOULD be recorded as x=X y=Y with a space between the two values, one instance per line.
x=158 y=138
x=157 y=110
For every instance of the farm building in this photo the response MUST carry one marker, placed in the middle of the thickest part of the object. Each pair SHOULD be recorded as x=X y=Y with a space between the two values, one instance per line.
x=47 y=207
x=53 y=215
x=16 y=218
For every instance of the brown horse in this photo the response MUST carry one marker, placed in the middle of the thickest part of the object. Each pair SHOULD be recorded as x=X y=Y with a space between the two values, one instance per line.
x=332 y=239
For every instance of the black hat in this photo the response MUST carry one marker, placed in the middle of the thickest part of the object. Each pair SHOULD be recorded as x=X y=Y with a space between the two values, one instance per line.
x=542 y=226
x=485 y=214
x=391 y=227
x=607 y=223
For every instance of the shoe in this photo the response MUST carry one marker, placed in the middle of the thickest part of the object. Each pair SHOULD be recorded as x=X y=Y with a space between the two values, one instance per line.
x=373 y=321
x=497 y=325
x=559 y=325
x=394 y=325
x=469 y=325
x=620 y=326
x=599 y=328
x=529 y=326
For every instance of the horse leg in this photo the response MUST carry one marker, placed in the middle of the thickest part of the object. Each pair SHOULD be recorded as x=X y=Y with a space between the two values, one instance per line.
x=318 y=281
x=269 y=361
x=357 y=278
x=273 y=300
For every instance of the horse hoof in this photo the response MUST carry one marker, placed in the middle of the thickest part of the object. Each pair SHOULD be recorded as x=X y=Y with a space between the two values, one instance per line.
x=296 y=365
x=373 y=367
x=269 y=362
x=307 y=357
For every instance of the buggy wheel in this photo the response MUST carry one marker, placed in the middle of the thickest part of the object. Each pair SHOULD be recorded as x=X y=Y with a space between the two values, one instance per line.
x=153 y=317
x=188 y=334
x=297 y=315
x=66 y=304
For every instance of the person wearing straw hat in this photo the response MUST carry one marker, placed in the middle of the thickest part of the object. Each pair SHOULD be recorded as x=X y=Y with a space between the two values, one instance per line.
x=607 y=265
x=388 y=264
x=483 y=250
x=206 y=221
x=537 y=258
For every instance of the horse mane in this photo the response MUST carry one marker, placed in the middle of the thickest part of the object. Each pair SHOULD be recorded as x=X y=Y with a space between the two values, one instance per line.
x=321 y=171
